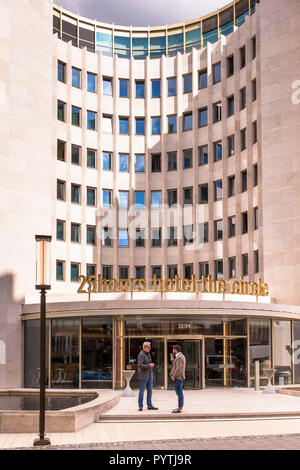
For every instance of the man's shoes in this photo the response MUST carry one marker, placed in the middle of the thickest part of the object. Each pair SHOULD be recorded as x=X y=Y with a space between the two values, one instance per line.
x=140 y=409
x=176 y=411
x=152 y=408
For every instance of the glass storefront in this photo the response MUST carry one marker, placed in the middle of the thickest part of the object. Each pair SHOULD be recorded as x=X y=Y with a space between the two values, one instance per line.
x=92 y=351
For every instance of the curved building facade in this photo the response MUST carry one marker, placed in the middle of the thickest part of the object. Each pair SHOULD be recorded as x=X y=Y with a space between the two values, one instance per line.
x=164 y=163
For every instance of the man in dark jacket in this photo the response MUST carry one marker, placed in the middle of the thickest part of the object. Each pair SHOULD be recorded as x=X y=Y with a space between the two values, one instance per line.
x=145 y=366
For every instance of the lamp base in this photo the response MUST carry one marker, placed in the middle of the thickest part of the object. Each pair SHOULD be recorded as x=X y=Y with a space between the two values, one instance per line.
x=42 y=442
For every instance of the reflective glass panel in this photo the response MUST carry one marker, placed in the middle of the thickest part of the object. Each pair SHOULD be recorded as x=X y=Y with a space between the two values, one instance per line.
x=65 y=353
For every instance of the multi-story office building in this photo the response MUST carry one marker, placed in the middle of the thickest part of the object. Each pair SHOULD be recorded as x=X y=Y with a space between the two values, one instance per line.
x=164 y=162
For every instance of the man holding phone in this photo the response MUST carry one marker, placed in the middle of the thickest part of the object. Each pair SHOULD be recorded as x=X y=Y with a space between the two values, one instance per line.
x=177 y=374
x=145 y=376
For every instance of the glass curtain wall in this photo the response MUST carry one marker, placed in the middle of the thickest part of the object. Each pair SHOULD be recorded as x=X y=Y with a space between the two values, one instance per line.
x=260 y=348
x=32 y=353
x=65 y=353
x=282 y=359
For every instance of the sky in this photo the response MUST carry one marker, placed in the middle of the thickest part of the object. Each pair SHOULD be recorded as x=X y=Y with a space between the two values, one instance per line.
x=141 y=12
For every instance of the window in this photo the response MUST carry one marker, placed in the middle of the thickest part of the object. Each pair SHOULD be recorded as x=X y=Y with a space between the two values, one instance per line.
x=243 y=139
x=60 y=270
x=203 y=232
x=156 y=271
x=60 y=230
x=172 y=197
x=231 y=226
x=123 y=125
x=230 y=145
x=244 y=181
x=245 y=222
x=139 y=89
x=90 y=196
x=188 y=271
x=123 y=162
x=61 y=72
x=219 y=269
x=218 y=229
x=243 y=98
x=155 y=199
x=216 y=73
x=218 y=190
x=217 y=151
x=172 y=86
x=203 y=155
x=203 y=194
x=254 y=132
x=91 y=235
x=140 y=126
x=230 y=106
x=91 y=120
x=123 y=199
x=172 y=271
x=91 y=158
x=187 y=83
x=187 y=196
x=74 y=272
x=107 y=124
x=60 y=111
x=255 y=210
x=75 y=193
x=75 y=154
x=188 y=234
x=140 y=272
x=107 y=236
x=254 y=90
x=172 y=161
x=139 y=163
x=140 y=199
x=76 y=77
x=172 y=124
x=245 y=264
x=91 y=82
x=107 y=198
x=123 y=88
x=217 y=112
x=255 y=175
x=156 y=163
x=107 y=86
x=230 y=66
x=61 y=190
x=75 y=233
x=253 y=47
x=202 y=79
x=203 y=117
x=155 y=88
x=256 y=261
x=76 y=116
x=139 y=237
x=123 y=237
x=155 y=125
x=187 y=121
x=90 y=270
x=107 y=160
x=187 y=158
x=156 y=237
x=242 y=57
x=231 y=186
x=61 y=150
x=232 y=267
x=204 y=269
x=107 y=272
x=123 y=272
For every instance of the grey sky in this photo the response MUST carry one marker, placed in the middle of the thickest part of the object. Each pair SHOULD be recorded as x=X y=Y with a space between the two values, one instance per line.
x=141 y=12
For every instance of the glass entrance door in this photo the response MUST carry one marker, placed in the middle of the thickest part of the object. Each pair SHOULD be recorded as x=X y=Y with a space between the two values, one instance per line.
x=133 y=348
x=192 y=351
x=226 y=362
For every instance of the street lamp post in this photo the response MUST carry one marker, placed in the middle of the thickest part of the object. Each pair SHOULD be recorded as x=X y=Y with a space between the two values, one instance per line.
x=42 y=284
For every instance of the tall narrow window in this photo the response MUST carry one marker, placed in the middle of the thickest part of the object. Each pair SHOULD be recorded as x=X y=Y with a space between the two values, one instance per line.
x=171 y=86
x=61 y=71
x=242 y=57
x=76 y=77
x=245 y=222
x=91 y=82
x=217 y=73
x=76 y=116
x=203 y=155
x=245 y=264
x=107 y=86
x=202 y=79
x=61 y=111
x=155 y=88
x=230 y=145
x=217 y=151
x=230 y=66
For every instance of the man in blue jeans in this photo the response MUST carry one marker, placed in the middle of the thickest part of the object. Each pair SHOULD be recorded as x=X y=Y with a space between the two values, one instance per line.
x=145 y=368
x=177 y=374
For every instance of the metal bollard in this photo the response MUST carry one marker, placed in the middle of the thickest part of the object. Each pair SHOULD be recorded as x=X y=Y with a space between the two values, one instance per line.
x=257 y=378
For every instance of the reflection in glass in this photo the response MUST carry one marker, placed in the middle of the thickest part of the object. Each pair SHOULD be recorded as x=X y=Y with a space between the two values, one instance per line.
x=260 y=348
x=65 y=353
x=282 y=352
